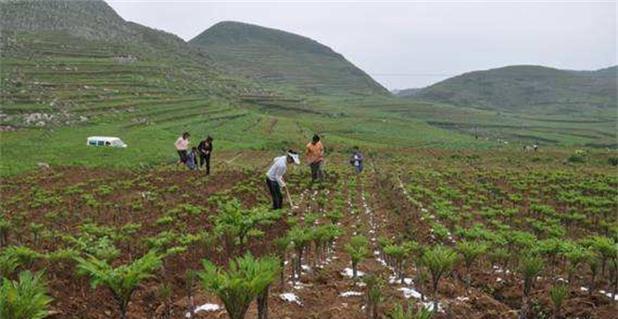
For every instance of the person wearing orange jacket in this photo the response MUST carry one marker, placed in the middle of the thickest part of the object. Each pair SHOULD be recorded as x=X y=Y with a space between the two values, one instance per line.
x=315 y=157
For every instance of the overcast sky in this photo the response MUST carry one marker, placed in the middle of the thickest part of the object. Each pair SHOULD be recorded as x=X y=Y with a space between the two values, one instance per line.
x=414 y=44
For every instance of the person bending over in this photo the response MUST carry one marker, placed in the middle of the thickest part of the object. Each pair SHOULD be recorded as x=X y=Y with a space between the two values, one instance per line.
x=274 y=176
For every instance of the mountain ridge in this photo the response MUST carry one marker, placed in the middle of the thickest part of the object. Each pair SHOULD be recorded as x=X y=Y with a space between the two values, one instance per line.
x=525 y=86
x=279 y=57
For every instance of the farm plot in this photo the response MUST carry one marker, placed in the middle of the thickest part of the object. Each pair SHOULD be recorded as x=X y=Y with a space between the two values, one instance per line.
x=427 y=232
x=538 y=237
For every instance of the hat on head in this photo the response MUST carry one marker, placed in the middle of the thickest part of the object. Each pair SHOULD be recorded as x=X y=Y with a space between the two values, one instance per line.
x=294 y=156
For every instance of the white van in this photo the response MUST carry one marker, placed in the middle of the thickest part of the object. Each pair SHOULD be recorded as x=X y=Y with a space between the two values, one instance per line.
x=105 y=141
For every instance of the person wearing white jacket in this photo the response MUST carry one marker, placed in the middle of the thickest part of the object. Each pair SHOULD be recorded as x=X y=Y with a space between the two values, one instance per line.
x=274 y=176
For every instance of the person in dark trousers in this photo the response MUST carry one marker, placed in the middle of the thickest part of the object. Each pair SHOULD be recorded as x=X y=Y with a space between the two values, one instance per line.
x=274 y=176
x=192 y=159
x=357 y=159
x=315 y=157
x=182 y=145
x=205 y=149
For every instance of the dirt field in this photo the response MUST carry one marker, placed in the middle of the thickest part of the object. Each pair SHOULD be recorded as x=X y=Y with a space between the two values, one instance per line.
x=384 y=202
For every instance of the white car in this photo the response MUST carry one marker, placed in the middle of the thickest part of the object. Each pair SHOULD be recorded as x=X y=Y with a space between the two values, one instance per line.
x=105 y=141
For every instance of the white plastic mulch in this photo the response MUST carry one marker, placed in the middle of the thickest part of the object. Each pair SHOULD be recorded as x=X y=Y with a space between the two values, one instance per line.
x=348 y=272
x=350 y=294
x=410 y=293
x=290 y=297
x=207 y=307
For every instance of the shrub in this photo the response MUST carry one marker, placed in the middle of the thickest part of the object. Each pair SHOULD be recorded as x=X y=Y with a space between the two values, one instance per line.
x=613 y=161
x=577 y=157
x=25 y=298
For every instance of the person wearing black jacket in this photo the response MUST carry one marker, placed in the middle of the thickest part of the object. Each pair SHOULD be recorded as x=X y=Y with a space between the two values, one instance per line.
x=205 y=149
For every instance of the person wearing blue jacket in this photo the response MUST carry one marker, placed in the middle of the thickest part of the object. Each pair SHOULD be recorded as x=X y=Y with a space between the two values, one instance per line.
x=357 y=159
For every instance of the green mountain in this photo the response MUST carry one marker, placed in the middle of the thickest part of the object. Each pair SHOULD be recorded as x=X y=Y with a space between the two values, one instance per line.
x=528 y=89
x=284 y=59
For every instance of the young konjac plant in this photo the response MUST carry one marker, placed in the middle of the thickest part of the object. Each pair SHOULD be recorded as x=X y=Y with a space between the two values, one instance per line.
x=122 y=280
x=557 y=294
x=529 y=267
x=358 y=249
x=400 y=313
x=267 y=269
x=25 y=298
x=235 y=224
x=245 y=279
x=374 y=295
x=575 y=255
x=5 y=227
x=398 y=254
x=299 y=238
x=470 y=252
x=439 y=260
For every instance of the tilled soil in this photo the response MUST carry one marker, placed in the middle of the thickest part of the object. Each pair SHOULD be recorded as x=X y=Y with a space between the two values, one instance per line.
x=373 y=208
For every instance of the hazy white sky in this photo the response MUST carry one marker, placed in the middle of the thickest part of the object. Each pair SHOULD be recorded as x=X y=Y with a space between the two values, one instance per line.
x=406 y=44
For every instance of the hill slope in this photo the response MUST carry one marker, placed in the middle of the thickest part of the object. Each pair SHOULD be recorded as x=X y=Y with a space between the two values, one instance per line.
x=528 y=88
x=282 y=58
x=67 y=62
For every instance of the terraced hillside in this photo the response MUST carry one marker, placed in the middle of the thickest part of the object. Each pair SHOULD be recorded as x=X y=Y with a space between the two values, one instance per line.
x=66 y=62
x=61 y=84
x=75 y=69
x=284 y=59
